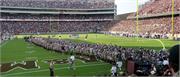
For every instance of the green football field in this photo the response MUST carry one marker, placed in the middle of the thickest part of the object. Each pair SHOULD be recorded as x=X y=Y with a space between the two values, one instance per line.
x=17 y=50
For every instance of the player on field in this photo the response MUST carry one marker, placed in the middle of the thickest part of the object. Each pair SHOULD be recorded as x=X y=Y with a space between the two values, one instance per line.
x=51 y=68
x=71 y=61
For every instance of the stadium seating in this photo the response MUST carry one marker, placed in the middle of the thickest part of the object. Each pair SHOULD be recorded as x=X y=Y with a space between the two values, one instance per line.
x=45 y=27
x=82 y=4
x=59 y=16
x=159 y=6
x=159 y=25
x=154 y=25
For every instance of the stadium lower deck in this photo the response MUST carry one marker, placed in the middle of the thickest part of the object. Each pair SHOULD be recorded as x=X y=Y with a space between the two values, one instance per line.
x=18 y=51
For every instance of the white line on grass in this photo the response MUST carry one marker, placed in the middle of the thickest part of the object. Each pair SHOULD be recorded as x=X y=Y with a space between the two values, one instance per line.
x=4 y=43
x=160 y=42
x=55 y=69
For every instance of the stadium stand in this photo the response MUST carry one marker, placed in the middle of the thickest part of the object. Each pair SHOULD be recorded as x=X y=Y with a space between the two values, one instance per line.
x=37 y=16
x=46 y=27
x=82 y=19
x=153 y=25
x=159 y=6
x=155 y=18
x=82 y=4
x=40 y=17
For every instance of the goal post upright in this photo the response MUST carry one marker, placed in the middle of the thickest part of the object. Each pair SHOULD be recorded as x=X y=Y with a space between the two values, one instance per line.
x=137 y=16
x=172 y=19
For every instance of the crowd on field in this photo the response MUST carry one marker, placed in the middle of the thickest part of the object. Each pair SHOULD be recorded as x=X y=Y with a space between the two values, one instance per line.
x=111 y=53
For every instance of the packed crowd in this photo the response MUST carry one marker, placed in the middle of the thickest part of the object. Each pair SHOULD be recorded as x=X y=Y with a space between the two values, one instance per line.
x=153 y=26
x=146 y=35
x=159 y=6
x=5 y=36
x=46 y=27
x=82 y=4
x=59 y=16
x=107 y=53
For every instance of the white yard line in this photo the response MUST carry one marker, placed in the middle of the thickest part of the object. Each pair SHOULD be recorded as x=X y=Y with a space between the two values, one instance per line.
x=4 y=43
x=55 y=69
x=158 y=40
x=161 y=43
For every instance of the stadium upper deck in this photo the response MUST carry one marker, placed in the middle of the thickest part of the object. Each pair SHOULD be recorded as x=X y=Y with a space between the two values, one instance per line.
x=31 y=10
x=74 y=4
x=154 y=17
x=157 y=8
x=57 y=10
x=43 y=16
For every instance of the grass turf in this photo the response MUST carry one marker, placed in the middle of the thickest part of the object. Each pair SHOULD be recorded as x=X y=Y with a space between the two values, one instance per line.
x=19 y=50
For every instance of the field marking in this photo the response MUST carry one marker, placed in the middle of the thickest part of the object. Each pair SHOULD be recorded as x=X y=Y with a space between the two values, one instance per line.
x=156 y=40
x=55 y=69
x=4 y=43
x=160 y=42
x=18 y=67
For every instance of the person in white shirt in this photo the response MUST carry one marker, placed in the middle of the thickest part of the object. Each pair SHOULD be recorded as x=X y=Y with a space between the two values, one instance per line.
x=165 y=62
x=114 y=70
x=71 y=61
x=153 y=69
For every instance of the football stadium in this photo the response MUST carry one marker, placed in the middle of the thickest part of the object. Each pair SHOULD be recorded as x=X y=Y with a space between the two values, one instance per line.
x=89 y=38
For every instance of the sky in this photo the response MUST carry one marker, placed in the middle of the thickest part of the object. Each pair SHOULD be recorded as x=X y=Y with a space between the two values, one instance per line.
x=127 y=6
